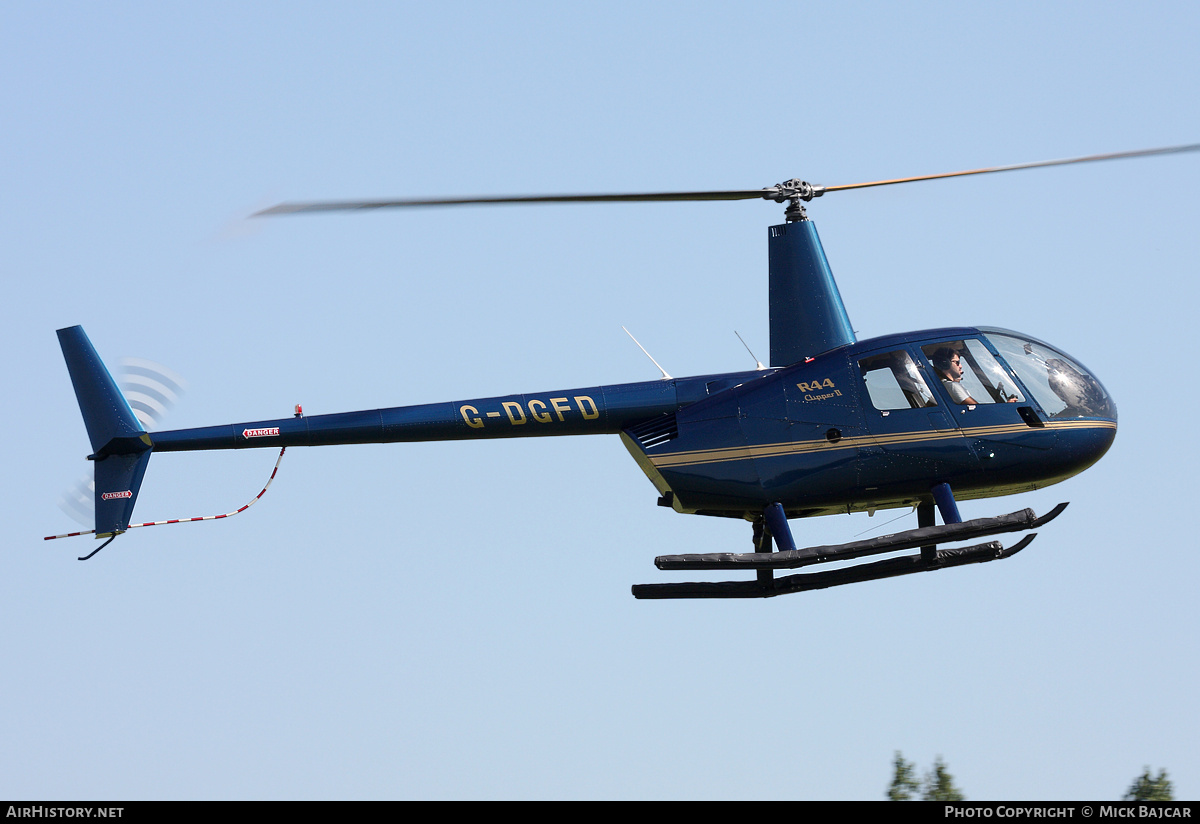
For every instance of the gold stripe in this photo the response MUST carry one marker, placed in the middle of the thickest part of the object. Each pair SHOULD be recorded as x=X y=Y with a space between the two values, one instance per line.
x=741 y=453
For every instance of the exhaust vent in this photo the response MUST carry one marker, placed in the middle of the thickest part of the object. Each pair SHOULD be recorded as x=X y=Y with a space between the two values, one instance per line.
x=655 y=431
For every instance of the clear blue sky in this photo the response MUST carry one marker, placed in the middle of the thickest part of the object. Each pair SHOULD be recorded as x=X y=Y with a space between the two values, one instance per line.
x=454 y=620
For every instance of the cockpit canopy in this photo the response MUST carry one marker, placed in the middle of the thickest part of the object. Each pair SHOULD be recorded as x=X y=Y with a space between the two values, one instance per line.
x=990 y=366
x=1060 y=385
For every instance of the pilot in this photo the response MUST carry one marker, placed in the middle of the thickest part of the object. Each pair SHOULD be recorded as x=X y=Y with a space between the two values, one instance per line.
x=946 y=363
x=949 y=368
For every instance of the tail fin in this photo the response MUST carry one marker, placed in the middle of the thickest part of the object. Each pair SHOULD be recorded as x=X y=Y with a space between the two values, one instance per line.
x=120 y=446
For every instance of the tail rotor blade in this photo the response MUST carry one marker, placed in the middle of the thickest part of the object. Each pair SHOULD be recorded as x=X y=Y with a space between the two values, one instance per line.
x=151 y=389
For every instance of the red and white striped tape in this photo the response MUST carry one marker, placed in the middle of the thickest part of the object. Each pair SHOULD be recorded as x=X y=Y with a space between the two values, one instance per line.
x=190 y=520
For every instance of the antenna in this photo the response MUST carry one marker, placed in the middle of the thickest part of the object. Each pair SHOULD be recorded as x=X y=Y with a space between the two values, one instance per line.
x=666 y=377
x=757 y=363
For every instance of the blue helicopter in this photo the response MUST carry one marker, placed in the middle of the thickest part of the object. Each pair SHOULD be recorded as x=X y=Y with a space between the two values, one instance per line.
x=834 y=425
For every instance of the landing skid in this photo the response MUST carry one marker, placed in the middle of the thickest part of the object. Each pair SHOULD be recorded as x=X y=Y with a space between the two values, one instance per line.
x=764 y=562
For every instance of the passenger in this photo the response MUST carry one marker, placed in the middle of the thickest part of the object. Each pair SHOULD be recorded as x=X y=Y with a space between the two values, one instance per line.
x=911 y=383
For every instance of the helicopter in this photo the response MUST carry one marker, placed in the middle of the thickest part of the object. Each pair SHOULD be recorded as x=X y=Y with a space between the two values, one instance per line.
x=832 y=425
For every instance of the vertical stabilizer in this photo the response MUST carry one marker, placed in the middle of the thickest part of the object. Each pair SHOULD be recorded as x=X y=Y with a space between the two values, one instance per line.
x=120 y=446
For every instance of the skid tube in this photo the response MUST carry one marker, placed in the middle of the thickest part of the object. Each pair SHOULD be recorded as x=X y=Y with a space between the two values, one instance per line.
x=909 y=539
x=764 y=561
x=805 y=581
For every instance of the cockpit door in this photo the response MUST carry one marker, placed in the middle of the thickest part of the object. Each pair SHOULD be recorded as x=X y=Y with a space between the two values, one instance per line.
x=1003 y=427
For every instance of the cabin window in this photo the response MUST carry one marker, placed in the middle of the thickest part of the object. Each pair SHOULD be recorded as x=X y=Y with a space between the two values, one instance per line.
x=894 y=382
x=970 y=374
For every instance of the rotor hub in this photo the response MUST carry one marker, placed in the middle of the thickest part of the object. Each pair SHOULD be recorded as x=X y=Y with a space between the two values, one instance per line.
x=793 y=191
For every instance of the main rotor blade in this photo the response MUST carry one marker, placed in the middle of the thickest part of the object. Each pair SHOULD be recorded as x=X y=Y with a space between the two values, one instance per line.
x=789 y=190
x=636 y=197
x=1089 y=159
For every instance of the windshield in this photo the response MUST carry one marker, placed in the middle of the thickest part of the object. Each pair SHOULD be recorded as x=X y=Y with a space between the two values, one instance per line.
x=1061 y=385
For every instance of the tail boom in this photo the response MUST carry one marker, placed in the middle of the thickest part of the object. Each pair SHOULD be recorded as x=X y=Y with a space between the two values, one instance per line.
x=596 y=410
